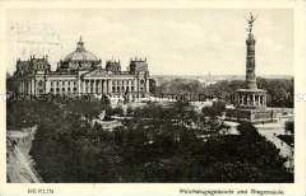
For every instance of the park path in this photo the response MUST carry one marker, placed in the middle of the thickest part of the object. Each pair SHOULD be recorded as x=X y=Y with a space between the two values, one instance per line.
x=19 y=162
x=270 y=131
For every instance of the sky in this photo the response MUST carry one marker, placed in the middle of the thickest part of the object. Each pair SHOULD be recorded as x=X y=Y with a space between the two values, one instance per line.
x=175 y=41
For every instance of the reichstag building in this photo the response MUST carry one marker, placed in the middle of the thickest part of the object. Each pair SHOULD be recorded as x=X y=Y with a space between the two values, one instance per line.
x=81 y=72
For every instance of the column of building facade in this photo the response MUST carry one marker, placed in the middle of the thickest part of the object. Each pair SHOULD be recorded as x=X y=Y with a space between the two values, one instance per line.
x=87 y=89
x=45 y=83
x=101 y=86
x=265 y=100
x=35 y=86
x=109 y=86
x=118 y=87
x=88 y=86
x=106 y=86
x=125 y=85
x=238 y=99
x=84 y=86
x=259 y=100
x=32 y=86
x=96 y=82
x=91 y=82
x=61 y=87
x=254 y=101
x=122 y=86
x=147 y=86
x=243 y=98
x=98 y=86
x=25 y=86
x=130 y=87
x=47 y=86
x=251 y=99
x=28 y=86
x=81 y=89
x=79 y=86
x=137 y=88
x=248 y=100
x=91 y=86
x=94 y=86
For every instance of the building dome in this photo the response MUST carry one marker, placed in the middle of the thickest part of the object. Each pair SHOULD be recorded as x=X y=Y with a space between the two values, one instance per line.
x=80 y=59
x=80 y=54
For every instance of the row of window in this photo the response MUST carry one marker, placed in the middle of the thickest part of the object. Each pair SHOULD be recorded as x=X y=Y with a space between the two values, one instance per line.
x=118 y=89
x=123 y=82
x=114 y=82
x=63 y=90
x=130 y=96
x=67 y=82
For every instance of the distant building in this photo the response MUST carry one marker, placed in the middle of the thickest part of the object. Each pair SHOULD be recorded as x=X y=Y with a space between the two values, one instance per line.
x=250 y=102
x=81 y=72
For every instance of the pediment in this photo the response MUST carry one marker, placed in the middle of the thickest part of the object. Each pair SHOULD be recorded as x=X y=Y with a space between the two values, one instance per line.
x=99 y=72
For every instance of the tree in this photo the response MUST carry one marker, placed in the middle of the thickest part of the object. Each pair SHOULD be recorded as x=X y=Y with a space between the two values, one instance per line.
x=289 y=127
x=215 y=110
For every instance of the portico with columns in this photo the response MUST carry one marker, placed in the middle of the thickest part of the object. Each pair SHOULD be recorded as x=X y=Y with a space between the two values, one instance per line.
x=254 y=98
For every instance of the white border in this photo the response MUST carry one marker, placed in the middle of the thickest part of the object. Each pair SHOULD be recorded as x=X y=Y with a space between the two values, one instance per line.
x=135 y=189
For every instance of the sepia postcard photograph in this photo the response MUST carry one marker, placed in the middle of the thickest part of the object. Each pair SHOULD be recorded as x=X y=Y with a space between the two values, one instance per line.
x=150 y=96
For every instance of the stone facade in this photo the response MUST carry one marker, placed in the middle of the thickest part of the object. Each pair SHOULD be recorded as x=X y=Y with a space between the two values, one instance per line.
x=81 y=72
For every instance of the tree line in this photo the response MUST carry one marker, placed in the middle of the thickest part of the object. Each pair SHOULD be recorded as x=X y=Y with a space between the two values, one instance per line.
x=280 y=92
